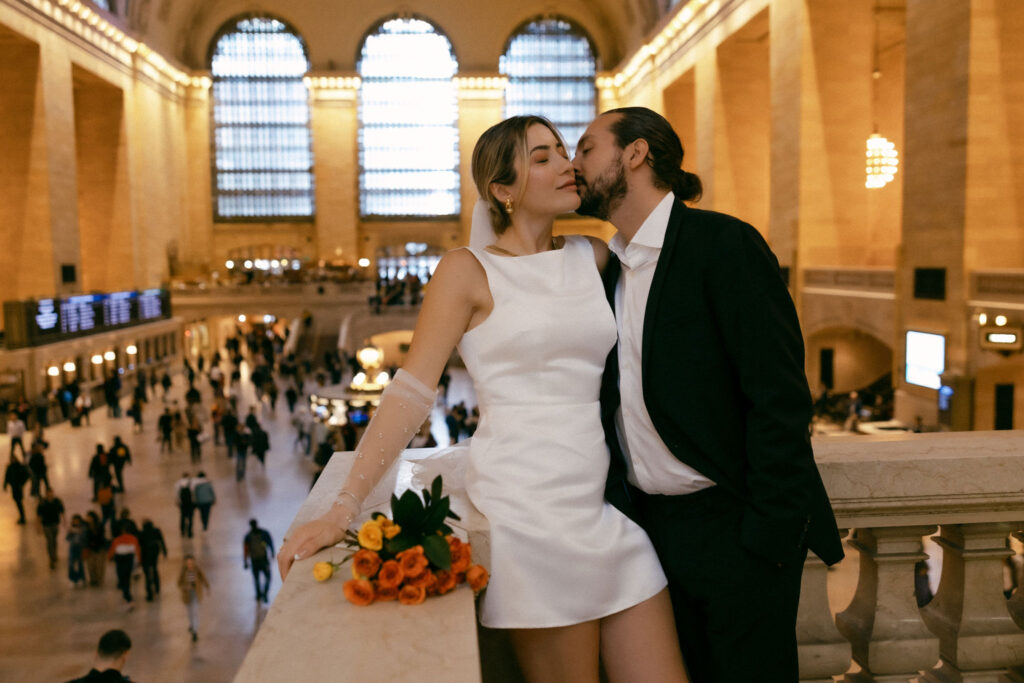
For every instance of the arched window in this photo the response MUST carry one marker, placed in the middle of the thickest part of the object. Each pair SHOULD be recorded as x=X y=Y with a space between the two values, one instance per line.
x=263 y=156
x=551 y=70
x=408 y=132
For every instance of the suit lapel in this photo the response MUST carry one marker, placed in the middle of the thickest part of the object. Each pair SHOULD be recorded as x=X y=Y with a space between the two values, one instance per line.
x=672 y=235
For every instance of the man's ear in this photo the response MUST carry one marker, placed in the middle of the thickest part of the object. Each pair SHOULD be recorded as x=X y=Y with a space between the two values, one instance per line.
x=636 y=154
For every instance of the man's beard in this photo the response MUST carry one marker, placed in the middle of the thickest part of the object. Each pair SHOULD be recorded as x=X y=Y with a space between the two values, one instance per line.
x=599 y=198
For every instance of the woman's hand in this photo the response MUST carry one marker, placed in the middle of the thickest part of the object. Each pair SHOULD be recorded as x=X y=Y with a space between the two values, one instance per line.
x=324 y=532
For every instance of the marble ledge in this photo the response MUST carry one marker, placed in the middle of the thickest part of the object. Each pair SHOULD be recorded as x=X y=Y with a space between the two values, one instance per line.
x=934 y=478
x=312 y=633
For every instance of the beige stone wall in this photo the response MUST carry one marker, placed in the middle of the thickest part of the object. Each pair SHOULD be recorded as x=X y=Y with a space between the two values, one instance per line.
x=859 y=360
x=1003 y=371
x=995 y=134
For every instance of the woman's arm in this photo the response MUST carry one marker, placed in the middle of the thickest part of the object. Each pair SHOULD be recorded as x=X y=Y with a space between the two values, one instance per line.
x=456 y=300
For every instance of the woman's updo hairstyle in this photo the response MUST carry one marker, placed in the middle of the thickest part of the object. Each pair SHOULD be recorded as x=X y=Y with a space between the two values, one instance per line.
x=494 y=161
x=665 y=151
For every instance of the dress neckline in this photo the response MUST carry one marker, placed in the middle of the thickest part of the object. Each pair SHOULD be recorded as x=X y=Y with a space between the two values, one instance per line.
x=565 y=242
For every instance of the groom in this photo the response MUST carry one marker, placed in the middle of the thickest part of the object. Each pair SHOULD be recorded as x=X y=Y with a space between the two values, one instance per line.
x=705 y=404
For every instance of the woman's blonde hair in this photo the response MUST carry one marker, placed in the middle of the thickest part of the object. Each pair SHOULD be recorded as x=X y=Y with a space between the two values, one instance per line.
x=494 y=161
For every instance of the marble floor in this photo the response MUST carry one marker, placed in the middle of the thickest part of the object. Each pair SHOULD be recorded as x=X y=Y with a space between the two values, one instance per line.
x=49 y=629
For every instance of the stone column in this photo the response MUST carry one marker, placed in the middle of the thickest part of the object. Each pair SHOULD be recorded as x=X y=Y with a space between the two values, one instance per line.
x=824 y=652
x=481 y=105
x=889 y=639
x=334 y=112
x=198 y=251
x=977 y=634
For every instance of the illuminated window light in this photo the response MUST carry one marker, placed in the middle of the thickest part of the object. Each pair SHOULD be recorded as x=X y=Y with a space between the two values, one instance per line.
x=69 y=366
x=364 y=262
x=131 y=349
x=229 y=264
x=53 y=371
x=983 y=319
x=109 y=355
x=97 y=359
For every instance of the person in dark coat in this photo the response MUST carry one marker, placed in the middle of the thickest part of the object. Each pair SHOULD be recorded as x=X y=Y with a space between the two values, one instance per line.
x=15 y=477
x=120 y=456
x=110 y=659
x=151 y=539
x=38 y=468
x=99 y=469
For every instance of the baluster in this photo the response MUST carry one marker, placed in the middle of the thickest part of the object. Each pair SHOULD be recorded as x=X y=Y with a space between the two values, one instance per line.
x=889 y=639
x=824 y=652
x=978 y=637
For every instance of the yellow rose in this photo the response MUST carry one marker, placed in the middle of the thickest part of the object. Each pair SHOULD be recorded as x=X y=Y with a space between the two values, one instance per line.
x=323 y=571
x=390 y=528
x=371 y=536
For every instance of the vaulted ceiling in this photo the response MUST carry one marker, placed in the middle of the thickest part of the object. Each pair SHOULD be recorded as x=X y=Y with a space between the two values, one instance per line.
x=334 y=29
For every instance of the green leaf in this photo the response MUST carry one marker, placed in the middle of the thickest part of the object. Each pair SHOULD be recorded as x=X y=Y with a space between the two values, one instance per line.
x=426 y=497
x=400 y=543
x=435 y=516
x=437 y=551
x=454 y=516
x=408 y=510
x=436 y=487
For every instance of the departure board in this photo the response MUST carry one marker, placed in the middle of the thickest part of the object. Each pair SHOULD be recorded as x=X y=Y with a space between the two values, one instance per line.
x=42 y=321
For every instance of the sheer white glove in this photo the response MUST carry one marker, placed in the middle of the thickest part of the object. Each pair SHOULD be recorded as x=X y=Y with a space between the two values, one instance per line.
x=404 y=404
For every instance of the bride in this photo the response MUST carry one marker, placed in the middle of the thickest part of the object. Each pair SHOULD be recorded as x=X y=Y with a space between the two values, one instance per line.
x=572 y=579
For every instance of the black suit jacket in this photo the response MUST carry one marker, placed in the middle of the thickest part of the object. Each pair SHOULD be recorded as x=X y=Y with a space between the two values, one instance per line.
x=724 y=383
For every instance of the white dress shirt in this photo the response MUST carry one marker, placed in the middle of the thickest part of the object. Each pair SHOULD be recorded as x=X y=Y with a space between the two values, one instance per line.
x=651 y=466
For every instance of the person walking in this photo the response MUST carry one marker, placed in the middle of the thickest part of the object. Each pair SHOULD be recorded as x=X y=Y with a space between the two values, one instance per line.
x=204 y=497
x=96 y=545
x=83 y=405
x=186 y=504
x=15 y=477
x=135 y=412
x=194 y=429
x=76 y=538
x=125 y=552
x=105 y=499
x=165 y=425
x=258 y=548
x=151 y=542
x=120 y=456
x=192 y=581
x=99 y=469
x=111 y=655
x=242 y=441
x=51 y=515
x=15 y=431
x=37 y=467
x=260 y=445
x=229 y=425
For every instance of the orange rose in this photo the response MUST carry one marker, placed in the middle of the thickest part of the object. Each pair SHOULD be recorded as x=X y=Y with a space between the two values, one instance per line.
x=425 y=580
x=477 y=577
x=413 y=561
x=391 y=575
x=445 y=581
x=412 y=595
x=365 y=564
x=358 y=592
x=462 y=556
x=385 y=593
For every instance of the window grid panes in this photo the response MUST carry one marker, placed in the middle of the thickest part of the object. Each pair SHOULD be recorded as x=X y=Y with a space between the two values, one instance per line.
x=408 y=132
x=551 y=71
x=263 y=156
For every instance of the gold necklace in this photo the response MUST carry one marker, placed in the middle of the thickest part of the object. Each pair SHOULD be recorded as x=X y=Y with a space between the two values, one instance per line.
x=501 y=250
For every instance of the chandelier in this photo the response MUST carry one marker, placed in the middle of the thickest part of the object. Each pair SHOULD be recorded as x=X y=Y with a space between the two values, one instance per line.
x=882 y=161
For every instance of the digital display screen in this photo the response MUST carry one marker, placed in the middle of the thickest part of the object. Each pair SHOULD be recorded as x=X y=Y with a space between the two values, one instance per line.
x=925 y=359
x=42 y=321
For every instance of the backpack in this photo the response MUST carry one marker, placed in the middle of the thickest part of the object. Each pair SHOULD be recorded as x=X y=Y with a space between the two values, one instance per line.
x=185 y=496
x=257 y=546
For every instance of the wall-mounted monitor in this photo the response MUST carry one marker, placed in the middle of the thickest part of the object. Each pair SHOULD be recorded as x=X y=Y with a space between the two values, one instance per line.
x=926 y=359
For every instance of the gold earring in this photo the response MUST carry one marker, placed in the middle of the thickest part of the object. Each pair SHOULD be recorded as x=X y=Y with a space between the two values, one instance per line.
x=508 y=206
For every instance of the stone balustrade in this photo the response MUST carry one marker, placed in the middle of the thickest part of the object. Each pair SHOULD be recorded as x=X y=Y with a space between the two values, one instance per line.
x=889 y=492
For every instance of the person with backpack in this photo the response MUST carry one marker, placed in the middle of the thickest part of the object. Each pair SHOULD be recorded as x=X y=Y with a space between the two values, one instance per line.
x=119 y=457
x=186 y=504
x=151 y=540
x=258 y=549
x=204 y=497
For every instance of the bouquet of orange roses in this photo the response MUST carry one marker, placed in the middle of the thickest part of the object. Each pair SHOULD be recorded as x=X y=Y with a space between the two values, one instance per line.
x=409 y=556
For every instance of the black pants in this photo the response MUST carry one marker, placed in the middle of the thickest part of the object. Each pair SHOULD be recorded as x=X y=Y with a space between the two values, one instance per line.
x=735 y=611
x=119 y=475
x=21 y=508
x=152 y=580
x=261 y=568
x=124 y=564
x=16 y=441
x=204 y=513
x=187 y=514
